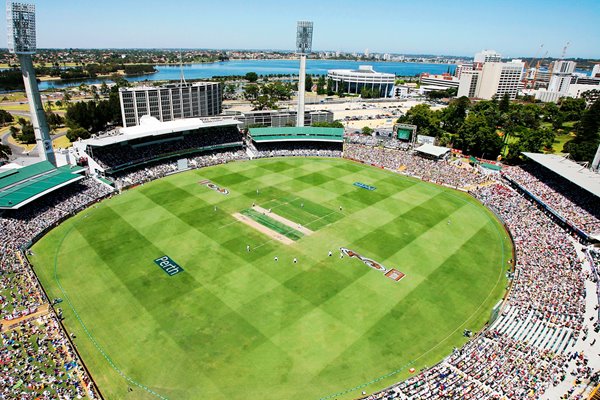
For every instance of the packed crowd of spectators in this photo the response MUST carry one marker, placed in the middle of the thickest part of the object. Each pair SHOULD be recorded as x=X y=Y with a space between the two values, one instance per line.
x=576 y=205
x=299 y=149
x=37 y=358
x=37 y=363
x=548 y=286
x=491 y=366
x=383 y=141
x=142 y=150
x=549 y=280
x=453 y=174
x=138 y=176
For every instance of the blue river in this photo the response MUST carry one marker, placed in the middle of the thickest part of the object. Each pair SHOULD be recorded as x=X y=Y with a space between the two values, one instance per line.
x=263 y=67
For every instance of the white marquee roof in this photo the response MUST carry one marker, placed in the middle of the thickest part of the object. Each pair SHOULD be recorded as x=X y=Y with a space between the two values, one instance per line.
x=150 y=126
x=432 y=150
x=570 y=170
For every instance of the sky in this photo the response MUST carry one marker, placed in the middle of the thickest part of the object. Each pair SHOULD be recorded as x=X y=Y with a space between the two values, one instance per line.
x=451 y=27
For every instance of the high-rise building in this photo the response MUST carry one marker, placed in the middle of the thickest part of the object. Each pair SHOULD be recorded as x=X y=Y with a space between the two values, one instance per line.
x=494 y=79
x=469 y=83
x=561 y=77
x=560 y=82
x=460 y=68
x=487 y=56
x=170 y=102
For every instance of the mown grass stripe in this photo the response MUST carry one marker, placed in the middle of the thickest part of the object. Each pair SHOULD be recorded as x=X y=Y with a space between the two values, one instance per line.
x=272 y=224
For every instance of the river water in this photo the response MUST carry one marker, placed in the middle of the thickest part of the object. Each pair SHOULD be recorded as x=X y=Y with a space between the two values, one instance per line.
x=263 y=67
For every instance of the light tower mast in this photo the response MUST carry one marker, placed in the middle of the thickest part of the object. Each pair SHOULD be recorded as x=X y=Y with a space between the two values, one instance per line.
x=20 y=18
x=303 y=47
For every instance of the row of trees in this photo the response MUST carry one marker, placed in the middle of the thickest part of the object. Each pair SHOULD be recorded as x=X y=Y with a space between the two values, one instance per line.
x=85 y=118
x=484 y=128
x=267 y=95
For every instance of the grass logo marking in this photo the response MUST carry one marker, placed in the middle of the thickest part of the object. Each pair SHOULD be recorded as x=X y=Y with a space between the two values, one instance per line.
x=364 y=186
x=168 y=265
x=390 y=273
x=214 y=187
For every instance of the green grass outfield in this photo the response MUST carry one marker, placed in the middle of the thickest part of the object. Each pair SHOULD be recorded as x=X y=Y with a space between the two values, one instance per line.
x=238 y=325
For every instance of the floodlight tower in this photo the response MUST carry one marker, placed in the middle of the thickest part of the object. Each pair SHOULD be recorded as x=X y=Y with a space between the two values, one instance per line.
x=20 y=19
x=303 y=47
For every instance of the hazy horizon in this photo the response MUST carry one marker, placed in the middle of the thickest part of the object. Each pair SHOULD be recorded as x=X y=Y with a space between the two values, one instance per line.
x=429 y=27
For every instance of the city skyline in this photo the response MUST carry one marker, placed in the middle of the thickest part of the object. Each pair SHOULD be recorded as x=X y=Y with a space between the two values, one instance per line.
x=427 y=27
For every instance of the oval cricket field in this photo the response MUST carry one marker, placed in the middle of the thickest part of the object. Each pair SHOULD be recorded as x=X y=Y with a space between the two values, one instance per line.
x=218 y=283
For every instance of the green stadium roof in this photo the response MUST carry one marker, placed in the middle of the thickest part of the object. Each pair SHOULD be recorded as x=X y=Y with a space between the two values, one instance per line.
x=21 y=186
x=307 y=133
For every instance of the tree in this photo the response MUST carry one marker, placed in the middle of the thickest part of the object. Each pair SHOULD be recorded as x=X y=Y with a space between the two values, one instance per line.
x=54 y=120
x=229 y=91
x=367 y=130
x=478 y=137
x=454 y=115
x=5 y=117
x=104 y=88
x=504 y=104
x=330 y=86
x=251 y=77
x=426 y=120
x=341 y=89
x=572 y=109
x=308 y=83
x=77 y=133
x=251 y=92
x=27 y=134
x=5 y=152
x=321 y=85
x=583 y=146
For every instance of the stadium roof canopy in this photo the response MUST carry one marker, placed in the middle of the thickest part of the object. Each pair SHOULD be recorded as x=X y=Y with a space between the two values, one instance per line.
x=24 y=185
x=435 y=151
x=306 y=134
x=152 y=127
x=570 y=170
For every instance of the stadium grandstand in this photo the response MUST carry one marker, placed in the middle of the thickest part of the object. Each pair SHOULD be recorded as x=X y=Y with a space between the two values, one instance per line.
x=300 y=141
x=565 y=189
x=541 y=345
x=153 y=140
x=20 y=186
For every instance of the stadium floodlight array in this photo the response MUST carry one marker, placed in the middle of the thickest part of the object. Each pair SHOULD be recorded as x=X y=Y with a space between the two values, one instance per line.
x=304 y=37
x=303 y=47
x=22 y=42
x=20 y=18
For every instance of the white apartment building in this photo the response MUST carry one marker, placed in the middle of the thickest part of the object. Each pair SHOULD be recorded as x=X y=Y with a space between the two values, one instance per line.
x=469 y=83
x=439 y=82
x=170 y=102
x=560 y=83
x=494 y=79
x=460 y=68
x=487 y=56
x=595 y=71
x=561 y=77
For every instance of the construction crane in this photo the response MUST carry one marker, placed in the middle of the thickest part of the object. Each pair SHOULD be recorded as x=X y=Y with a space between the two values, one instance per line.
x=537 y=68
x=530 y=64
x=562 y=57
x=564 y=51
